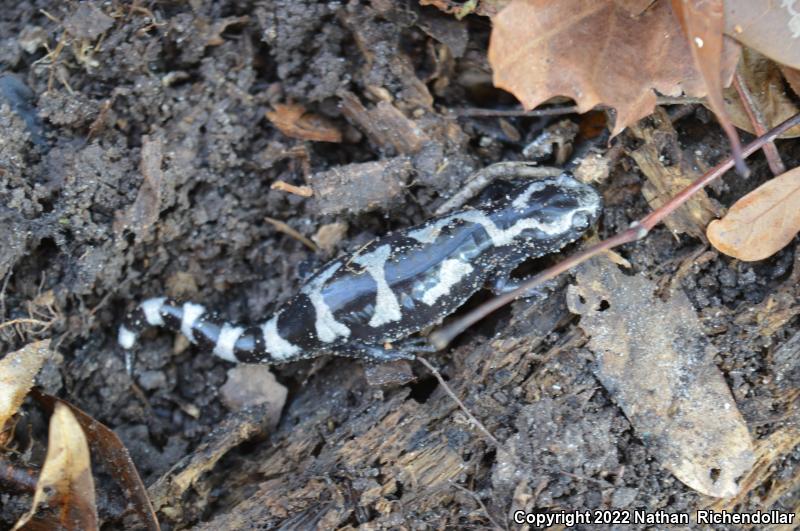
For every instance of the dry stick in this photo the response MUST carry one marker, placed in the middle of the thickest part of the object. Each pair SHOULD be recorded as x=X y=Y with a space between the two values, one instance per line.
x=552 y=111
x=460 y=404
x=638 y=229
x=477 y=498
x=556 y=111
x=25 y=320
x=759 y=123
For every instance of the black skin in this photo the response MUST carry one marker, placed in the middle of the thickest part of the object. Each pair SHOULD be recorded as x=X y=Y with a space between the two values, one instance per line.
x=413 y=265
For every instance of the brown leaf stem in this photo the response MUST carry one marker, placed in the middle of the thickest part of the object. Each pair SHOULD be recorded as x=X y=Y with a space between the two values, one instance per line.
x=759 y=123
x=441 y=337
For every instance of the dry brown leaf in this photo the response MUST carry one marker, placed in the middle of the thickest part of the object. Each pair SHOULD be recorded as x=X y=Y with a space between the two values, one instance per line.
x=634 y=7
x=65 y=482
x=792 y=76
x=703 y=22
x=656 y=363
x=768 y=26
x=764 y=80
x=769 y=452
x=595 y=52
x=17 y=372
x=292 y=120
x=761 y=223
x=111 y=454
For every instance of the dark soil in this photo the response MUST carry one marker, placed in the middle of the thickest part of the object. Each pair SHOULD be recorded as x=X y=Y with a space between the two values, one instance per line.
x=95 y=85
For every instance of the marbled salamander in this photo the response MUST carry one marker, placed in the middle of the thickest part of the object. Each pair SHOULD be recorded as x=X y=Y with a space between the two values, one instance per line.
x=363 y=303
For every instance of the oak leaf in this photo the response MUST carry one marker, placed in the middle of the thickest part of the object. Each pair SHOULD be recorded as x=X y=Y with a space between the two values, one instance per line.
x=761 y=223
x=595 y=52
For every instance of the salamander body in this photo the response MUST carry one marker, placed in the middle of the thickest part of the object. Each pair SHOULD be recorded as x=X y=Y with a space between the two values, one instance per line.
x=367 y=303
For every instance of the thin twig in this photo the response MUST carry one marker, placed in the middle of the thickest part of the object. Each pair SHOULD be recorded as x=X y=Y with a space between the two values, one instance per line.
x=302 y=191
x=443 y=336
x=759 y=123
x=550 y=111
x=283 y=227
x=25 y=320
x=477 y=498
x=460 y=404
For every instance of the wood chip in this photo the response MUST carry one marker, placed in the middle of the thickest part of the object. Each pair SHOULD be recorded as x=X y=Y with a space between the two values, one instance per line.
x=292 y=120
x=668 y=171
x=302 y=191
x=385 y=125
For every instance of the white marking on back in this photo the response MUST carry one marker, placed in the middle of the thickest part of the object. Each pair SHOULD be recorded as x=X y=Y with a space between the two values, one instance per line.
x=450 y=273
x=498 y=236
x=387 y=309
x=226 y=341
x=521 y=201
x=278 y=348
x=126 y=338
x=191 y=313
x=328 y=328
x=152 y=311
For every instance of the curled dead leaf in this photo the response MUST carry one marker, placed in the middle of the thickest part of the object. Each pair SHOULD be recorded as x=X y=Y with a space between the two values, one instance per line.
x=17 y=372
x=65 y=482
x=144 y=211
x=292 y=120
x=111 y=455
x=761 y=223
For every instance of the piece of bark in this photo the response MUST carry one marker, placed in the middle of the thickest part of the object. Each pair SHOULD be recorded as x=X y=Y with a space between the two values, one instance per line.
x=668 y=171
x=360 y=187
x=385 y=125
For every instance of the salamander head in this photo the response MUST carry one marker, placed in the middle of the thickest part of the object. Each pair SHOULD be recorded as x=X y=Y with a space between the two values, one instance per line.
x=552 y=209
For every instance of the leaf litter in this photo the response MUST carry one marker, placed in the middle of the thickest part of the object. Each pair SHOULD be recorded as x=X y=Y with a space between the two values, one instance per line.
x=596 y=53
x=65 y=482
x=762 y=222
x=17 y=373
x=657 y=364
